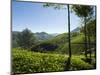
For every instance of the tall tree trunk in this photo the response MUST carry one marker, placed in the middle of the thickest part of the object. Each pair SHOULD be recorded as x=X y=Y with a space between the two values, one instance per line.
x=69 y=40
x=68 y=66
x=85 y=34
x=95 y=35
x=89 y=44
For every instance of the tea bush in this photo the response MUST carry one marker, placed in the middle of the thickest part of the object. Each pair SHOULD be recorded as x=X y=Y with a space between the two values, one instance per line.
x=24 y=61
x=78 y=64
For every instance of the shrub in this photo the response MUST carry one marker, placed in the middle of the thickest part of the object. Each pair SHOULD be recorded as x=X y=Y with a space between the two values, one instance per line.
x=25 y=61
x=78 y=64
x=28 y=62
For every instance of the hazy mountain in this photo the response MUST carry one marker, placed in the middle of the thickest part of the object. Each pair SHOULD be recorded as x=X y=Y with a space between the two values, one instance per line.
x=54 y=34
x=76 y=30
x=41 y=36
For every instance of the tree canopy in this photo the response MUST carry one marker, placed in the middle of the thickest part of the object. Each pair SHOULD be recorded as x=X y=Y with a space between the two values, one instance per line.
x=82 y=11
x=26 y=39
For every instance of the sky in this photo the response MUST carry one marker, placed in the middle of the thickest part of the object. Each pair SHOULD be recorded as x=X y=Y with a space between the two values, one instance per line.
x=40 y=19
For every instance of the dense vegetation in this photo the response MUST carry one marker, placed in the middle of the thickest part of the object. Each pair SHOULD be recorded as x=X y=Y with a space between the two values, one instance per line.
x=28 y=62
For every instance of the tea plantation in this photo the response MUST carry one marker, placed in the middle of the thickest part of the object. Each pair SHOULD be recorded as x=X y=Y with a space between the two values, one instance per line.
x=24 y=61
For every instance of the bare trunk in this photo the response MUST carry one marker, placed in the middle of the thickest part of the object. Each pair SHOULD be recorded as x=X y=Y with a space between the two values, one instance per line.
x=89 y=45
x=69 y=40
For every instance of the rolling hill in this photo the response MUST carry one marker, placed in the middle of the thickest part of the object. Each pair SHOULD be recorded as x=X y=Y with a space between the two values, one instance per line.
x=41 y=36
x=59 y=44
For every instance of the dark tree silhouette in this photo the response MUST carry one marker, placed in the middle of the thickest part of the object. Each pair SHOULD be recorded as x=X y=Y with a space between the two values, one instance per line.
x=26 y=39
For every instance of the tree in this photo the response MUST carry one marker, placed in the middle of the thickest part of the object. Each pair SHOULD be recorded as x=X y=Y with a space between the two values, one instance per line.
x=26 y=39
x=14 y=39
x=84 y=12
x=91 y=28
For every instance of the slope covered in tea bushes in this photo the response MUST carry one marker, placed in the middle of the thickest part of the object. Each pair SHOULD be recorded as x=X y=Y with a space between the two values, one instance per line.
x=25 y=61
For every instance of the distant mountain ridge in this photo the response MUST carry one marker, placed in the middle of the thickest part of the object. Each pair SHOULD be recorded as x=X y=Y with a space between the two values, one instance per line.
x=54 y=34
x=76 y=30
x=40 y=36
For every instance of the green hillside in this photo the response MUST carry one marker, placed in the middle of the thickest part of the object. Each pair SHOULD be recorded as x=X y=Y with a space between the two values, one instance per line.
x=60 y=44
x=24 y=61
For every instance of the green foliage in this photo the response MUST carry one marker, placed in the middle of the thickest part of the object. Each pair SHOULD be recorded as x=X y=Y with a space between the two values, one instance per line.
x=55 y=6
x=91 y=28
x=30 y=62
x=26 y=39
x=74 y=34
x=78 y=64
x=14 y=39
x=82 y=11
